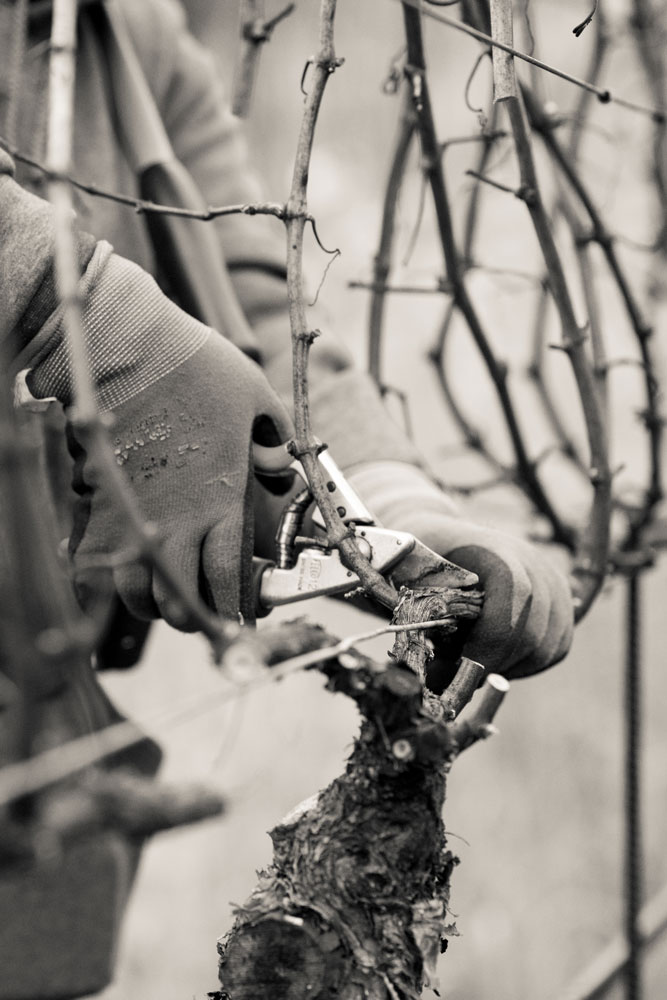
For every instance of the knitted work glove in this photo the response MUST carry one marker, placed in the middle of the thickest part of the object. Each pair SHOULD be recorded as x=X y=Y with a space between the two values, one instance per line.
x=526 y=622
x=186 y=405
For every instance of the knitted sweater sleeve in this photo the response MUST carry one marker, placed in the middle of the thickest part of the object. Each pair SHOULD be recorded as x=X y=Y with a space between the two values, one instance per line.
x=27 y=281
x=134 y=335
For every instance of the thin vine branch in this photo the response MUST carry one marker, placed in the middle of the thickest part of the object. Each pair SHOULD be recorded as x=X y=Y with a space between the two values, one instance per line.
x=383 y=257
x=604 y=95
x=416 y=72
x=599 y=234
x=595 y=66
x=504 y=80
x=383 y=288
x=490 y=136
x=89 y=423
x=536 y=372
x=256 y=30
x=581 y=27
x=536 y=368
x=650 y=39
x=247 y=660
x=472 y=436
x=305 y=445
x=141 y=205
x=593 y=549
x=582 y=249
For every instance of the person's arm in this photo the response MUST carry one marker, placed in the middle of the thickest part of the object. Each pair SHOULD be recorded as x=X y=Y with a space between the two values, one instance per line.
x=210 y=142
x=526 y=623
x=186 y=405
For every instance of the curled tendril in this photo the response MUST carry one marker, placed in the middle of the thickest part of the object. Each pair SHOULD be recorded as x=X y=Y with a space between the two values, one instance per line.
x=469 y=82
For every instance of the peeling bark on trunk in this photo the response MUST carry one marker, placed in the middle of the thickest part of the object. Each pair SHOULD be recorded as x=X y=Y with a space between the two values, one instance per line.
x=355 y=903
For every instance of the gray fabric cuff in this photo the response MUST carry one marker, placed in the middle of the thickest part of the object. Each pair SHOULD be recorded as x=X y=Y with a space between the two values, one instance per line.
x=394 y=491
x=349 y=415
x=134 y=335
x=45 y=300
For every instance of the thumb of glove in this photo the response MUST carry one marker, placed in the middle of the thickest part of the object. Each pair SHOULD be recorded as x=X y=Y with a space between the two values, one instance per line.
x=227 y=559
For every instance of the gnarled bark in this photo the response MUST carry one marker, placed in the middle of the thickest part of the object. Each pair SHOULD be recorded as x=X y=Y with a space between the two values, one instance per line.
x=355 y=902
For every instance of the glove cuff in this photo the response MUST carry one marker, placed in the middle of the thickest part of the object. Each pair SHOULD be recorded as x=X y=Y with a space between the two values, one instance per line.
x=134 y=335
x=396 y=492
x=350 y=416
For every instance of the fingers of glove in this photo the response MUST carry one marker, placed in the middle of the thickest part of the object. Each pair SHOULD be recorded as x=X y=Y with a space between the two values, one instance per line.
x=276 y=425
x=222 y=570
x=273 y=424
x=227 y=558
x=212 y=571
x=184 y=443
x=557 y=639
x=535 y=632
x=498 y=633
x=182 y=555
x=265 y=432
x=228 y=388
x=134 y=583
x=542 y=635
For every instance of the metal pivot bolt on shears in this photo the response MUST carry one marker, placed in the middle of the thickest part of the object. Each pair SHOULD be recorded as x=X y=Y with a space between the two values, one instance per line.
x=308 y=567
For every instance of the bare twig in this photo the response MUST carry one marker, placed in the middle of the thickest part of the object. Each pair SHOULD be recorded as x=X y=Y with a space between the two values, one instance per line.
x=504 y=80
x=649 y=34
x=141 y=205
x=604 y=95
x=437 y=355
x=642 y=330
x=469 y=82
x=597 y=59
x=246 y=661
x=416 y=71
x=305 y=446
x=90 y=426
x=536 y=372
x=440 y=288
x=489 y=136
x=579 y=28
x=483 y=179
x=592 y=557
x=382 y=261
x=582 y=247
x=536 y=367
x=471 y=435
x=255 y=31
x=305 y=660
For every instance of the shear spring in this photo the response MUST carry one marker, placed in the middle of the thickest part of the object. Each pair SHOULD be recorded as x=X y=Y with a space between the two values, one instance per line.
x=290 y=526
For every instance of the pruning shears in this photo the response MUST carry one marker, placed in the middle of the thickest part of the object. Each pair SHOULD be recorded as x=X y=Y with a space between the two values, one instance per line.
x=307 y=567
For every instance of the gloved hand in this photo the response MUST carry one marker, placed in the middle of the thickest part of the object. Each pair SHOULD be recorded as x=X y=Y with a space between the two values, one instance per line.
x=186 y=405
x=526 y=622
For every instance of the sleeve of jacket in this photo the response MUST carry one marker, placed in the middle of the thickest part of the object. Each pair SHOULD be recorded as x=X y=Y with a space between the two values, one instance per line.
x=347 y=410
x=27 y=281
